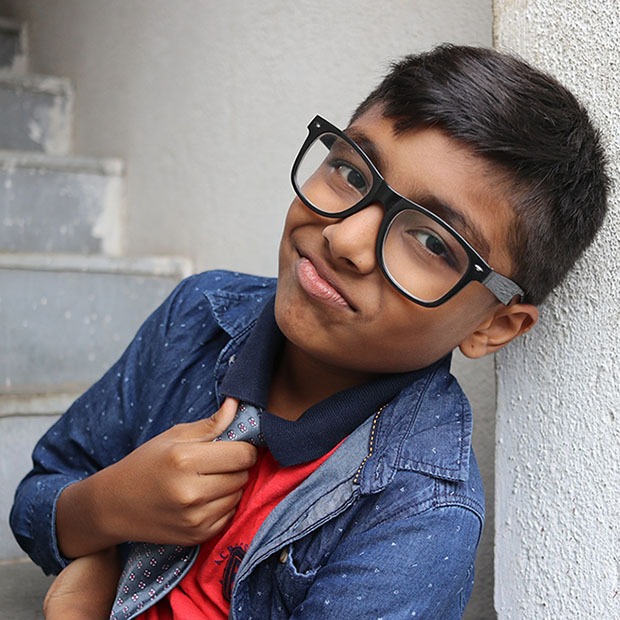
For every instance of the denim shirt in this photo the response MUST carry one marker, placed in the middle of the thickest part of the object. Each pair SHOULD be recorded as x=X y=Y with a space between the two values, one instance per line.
x=387 y=527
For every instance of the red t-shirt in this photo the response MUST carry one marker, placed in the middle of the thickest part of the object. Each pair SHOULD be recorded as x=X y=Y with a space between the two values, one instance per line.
x=206 y=589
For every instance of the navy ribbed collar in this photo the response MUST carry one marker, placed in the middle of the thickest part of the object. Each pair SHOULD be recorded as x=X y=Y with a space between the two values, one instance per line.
x=323 y=425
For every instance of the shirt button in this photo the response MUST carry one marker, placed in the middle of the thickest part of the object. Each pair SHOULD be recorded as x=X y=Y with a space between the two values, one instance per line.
x=283 y=556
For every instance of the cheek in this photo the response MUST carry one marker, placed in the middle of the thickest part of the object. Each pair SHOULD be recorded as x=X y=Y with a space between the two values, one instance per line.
x=290 y=223
x=297 y=215
x=414 y=337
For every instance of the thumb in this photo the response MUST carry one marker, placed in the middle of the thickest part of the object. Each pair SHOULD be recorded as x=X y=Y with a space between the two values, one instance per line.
x=209 y=428
x=222 y=418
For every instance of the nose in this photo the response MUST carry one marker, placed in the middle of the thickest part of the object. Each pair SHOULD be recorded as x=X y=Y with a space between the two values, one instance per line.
x=353 y=239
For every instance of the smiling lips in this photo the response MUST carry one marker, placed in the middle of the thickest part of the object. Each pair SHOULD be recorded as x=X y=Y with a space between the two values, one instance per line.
x=316 y=286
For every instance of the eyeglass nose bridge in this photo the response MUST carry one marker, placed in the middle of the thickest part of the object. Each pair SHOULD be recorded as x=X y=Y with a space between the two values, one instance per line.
x=391 y=201
x=385 y=196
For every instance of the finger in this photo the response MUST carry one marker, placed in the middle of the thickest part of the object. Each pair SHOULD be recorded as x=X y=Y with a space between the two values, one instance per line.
x=220 y=524
x=201 y=524
x=223 y=507
x=220 y=457
x=222 y=485
x=207 y=530
x=202 y=491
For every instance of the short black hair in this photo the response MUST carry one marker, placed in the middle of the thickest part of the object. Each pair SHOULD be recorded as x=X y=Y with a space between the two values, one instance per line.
x=530 y=128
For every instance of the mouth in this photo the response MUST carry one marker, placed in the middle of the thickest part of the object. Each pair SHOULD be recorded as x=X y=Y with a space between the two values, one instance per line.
x=319 y=285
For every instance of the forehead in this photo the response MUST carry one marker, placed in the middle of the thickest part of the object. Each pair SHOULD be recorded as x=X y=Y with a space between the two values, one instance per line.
x=445 y=176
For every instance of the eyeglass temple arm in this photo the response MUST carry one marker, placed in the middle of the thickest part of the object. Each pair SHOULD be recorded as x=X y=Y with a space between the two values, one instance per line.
x=502 y=287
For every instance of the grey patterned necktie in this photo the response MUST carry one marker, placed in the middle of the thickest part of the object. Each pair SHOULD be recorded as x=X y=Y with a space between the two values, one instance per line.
x=152 y=570
x=245 y=426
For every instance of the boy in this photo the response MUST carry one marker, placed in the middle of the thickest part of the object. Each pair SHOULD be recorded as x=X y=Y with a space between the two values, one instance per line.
x=367 y=501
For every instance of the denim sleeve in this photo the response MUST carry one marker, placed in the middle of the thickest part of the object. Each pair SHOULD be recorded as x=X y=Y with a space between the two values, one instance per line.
x=417 y=566
x=100 y=428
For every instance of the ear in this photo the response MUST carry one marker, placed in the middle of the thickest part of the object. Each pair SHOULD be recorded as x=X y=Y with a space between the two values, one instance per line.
x=497 y=331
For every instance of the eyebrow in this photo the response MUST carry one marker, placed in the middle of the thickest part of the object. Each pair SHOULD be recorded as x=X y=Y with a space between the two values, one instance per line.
x=452 y=216
x=368 y=147
x=457 y=220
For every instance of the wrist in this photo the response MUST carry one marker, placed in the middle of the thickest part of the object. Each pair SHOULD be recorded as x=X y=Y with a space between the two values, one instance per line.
x=83 y=522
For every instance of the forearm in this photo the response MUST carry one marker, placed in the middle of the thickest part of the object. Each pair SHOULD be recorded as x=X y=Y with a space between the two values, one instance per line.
x=85 y=589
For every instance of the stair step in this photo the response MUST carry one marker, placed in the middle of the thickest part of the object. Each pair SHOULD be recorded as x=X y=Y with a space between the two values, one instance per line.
x=18 y=436
x=37 y=113
x=22 y=588
x=64 y=319
x=60 y=203
x=23 y=420
x=29 y=405
x=12 y=46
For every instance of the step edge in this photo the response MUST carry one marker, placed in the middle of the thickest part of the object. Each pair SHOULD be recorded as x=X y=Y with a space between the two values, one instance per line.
x=49 y=84
x=25 y=404
x=103 y=166
x=10 y=25
x=155 y=266
x=20 y=61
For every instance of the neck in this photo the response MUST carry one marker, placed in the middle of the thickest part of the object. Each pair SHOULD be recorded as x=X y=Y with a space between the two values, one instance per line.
x=300 y=381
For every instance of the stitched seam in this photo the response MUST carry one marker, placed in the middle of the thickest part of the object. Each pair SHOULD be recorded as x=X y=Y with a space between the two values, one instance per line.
x=371 y=445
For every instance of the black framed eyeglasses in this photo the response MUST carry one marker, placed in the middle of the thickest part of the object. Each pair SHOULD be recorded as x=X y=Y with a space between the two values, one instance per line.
x=420 y=254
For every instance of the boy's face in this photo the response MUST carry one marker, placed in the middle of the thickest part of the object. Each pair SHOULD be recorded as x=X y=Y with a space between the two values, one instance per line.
x=333 y=301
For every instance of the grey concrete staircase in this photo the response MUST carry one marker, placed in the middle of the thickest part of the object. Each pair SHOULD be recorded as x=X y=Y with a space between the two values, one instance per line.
x=36 y=113
x=69 y=299
x=12 y=46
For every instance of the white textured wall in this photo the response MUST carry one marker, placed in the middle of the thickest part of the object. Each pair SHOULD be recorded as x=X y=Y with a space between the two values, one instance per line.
x=558 y=424
x=208 y=102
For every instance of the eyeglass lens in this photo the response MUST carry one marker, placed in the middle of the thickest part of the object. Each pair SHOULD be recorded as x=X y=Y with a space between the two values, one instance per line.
x=421 y=256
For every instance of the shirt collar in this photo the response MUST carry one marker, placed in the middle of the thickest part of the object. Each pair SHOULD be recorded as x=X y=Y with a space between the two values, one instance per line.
x=323 y=425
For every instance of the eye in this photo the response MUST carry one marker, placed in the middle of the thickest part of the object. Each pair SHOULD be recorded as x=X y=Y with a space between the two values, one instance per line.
x=431 y=242
x=434 y=246
x=351 y=176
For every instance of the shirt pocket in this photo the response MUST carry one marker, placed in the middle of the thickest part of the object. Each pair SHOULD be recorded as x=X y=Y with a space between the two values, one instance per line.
x=293 y=576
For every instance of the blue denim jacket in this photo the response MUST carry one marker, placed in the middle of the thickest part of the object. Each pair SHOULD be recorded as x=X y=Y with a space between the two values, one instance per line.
x=386 y=528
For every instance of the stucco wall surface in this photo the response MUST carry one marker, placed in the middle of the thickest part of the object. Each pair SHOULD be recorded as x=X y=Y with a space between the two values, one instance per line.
x=558 y=419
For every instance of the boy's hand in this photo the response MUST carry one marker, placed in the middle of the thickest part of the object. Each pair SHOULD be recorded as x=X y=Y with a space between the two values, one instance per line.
x=85 y=589
x=180 y=487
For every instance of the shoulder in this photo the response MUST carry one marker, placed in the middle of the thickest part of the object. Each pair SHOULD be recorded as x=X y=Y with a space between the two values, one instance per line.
x=231 y=283
x=232 y=299
x=422 y=457
x=416 y=493
x=223 y=284
x=426 y=428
